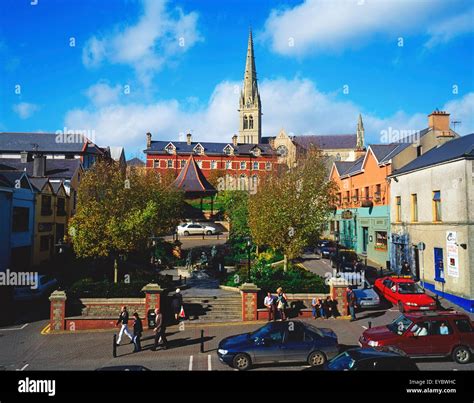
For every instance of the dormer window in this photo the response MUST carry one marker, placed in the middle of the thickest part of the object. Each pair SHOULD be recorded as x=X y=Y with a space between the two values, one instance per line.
x=228 y=150
x=256 y=152
x=170 y=148
x=199 y=149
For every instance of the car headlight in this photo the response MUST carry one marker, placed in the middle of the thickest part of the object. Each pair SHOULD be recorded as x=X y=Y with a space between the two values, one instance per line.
x=223 y=352
x=412 y=304
x=373 y=343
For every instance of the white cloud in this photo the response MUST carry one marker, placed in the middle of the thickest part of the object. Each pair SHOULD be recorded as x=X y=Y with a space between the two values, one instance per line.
x=25 y=110
x=295 y=105
x=160 y=34
x=323 y=25
x=101 y=94
x=450 y=28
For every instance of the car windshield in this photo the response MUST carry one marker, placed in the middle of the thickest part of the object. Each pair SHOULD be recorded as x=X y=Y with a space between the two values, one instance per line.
x=400 y=325
x=341 y=362
x=262 y=332
x=314 y=329
x=410 y=288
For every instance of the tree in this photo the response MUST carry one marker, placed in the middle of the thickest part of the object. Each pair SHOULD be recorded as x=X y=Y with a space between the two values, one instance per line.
x=291 y=206
x=235 y=204
x=118 y=211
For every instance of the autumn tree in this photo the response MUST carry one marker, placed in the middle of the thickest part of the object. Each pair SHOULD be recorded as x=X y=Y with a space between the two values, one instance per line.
x=292 y=206
x=235 y=203
x=119 y=210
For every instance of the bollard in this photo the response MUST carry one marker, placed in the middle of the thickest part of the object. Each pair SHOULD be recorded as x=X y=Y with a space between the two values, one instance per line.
x=202 y=341
x=185 y=280
x=114 y=348
x=370 y=325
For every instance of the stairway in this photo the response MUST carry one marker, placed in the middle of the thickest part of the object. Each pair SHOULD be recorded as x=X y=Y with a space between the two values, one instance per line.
x=212 y=308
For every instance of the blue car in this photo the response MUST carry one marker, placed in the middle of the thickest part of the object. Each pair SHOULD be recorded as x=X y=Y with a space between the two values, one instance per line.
x=279 y=342
x=366 y=296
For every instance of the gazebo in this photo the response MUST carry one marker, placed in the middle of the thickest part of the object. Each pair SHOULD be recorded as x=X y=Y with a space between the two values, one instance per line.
x=194 y=184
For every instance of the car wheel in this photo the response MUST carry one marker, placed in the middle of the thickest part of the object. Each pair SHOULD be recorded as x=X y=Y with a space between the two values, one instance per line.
x=186 y=233
x=208 y=232
x=462 y=355
x=316 y=359
x=400 y=307
x=242 y=362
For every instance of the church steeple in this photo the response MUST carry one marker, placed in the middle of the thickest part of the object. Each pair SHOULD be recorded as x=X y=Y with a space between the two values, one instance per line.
x=360 y=134
x=250 y=130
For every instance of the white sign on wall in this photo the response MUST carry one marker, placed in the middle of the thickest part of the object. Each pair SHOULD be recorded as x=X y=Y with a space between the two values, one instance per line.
x=452 y=254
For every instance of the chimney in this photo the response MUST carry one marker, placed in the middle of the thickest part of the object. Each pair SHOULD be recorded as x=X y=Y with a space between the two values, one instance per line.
x=39 y=165
x=188 y=139
x=439 y=121
x=24 y=157
x=148 y=140
x=234 y=140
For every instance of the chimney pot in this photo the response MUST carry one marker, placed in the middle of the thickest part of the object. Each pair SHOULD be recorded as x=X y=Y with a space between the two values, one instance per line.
x=234 y=140
x=188 y=139
x=148 y=140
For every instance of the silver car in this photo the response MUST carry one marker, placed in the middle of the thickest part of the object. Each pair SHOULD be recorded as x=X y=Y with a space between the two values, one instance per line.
x=194 y=228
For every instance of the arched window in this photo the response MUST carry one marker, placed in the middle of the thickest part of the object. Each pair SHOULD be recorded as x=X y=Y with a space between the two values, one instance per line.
x=243 y=182
x=246 y=122
x=251 y=122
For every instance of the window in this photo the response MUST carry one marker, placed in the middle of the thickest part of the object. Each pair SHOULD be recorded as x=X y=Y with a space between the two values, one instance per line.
x=381 y=240
x=268 y=166
x=199 y=164
x=398 y=209
x=367 y=193
x=348 y=196
x=243 y=182
x=170 y=148
x=436 y=206
x=440 y=328
x=378 y=192
x=414 y=207
x=228 y=150
x=44 y=243
x=182 y=163
x=61 y=206
x=199 y=149
x=228 y=165
x=251 y=122
x=213 y=164
x=356 y=195
x=339 y=198
x=255 y=166
x=254 y=182
x=246 y=122
x=463 y=325
x=156 y=163
x=419 y=150
x=46 y=205
x=20 y=221
x=169 y=163
x=243 y=165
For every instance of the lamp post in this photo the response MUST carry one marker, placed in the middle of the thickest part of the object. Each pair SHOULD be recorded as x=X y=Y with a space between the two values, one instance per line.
x=249 y=244
x=337 y=238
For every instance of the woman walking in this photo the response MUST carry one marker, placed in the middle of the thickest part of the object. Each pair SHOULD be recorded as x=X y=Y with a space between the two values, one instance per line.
x=281 y=303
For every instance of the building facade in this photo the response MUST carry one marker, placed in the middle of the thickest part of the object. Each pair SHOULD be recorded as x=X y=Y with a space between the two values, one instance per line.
x=432 y=226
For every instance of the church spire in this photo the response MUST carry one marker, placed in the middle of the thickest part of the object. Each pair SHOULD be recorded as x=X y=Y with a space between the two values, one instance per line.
x=360 y=134
x=250 y=109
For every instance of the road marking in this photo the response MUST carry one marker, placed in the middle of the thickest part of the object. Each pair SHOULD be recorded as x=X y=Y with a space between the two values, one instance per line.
x=209 y=362
x=190 y=363
x=23 y=368
x=15 y=328
x=394 y=310
x=365 y=327
x=46 y=329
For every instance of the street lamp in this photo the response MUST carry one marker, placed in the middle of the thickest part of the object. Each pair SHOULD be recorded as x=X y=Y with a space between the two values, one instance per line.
x=337 y=238
x=249 y=244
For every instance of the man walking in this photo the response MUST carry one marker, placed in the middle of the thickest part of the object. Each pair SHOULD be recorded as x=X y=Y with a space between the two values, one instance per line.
x=160 y=331
x=352 y=302
x=123 y=321
x=269 y=303
x=137 y=332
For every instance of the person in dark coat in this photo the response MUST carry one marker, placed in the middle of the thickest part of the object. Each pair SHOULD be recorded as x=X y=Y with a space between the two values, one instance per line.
x=327 y=307
x=406 y=269
x=137 y=332
x=123 y=322
x=177 y=303
x=160 y=331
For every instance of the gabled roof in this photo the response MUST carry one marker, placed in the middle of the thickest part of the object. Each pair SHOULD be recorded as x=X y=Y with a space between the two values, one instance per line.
x=46 y=142
x=39 y=183
x=116 y=153
x=459 y=148
x=343 y=166
x=192 y=180
x=135 y=162
x=55 y=168
x=11 y=177
x=210 y=148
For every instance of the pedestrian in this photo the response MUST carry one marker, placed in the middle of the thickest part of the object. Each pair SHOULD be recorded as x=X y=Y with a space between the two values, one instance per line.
x=327 y=307
x=160 y=331
x=123 y=321
x=177 y=304
x=334 y=310
x=352 y=303
x=281 y=303
x=406 y=270
x=320 y=308
x=137 y=332
x=269 y=303
x=314 y=305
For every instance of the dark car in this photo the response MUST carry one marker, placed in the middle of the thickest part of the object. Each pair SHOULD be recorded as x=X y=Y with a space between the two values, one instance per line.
x=369 y=359
x=426 y=334
x=325 y=248
x=346 y=261
x=279 y=342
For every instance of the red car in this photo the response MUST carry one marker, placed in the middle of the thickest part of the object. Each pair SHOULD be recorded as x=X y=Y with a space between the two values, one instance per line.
x=405 y=293
x=426 y=334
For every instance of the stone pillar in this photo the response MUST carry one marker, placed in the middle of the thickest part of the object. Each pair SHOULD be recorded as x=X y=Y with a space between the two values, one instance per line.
x=152 y=297
x=249 y=293
x=57 y=313
x=338 y=292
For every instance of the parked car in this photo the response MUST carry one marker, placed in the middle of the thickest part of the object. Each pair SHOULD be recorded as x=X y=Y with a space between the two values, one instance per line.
x=46 y=285
x=346 y=260
x=370 y=359
x=193 y=228
x=325 y=248
x=404 y=292
x=426 y=334
x=279 y=342
x=366 y=296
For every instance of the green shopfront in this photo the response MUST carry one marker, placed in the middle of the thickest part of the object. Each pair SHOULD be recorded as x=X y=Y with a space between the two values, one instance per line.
x=365 y=230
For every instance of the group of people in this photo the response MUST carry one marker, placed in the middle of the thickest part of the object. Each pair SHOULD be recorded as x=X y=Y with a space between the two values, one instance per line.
x=276 y=305
x=324 y=308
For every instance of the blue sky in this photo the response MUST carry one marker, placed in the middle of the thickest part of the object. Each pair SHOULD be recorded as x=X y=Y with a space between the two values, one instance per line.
x=319 y=64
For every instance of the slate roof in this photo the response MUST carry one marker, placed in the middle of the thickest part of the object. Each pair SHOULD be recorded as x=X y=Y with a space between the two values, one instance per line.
x=462 y=147
x=11 y=177
x=55 y=168
x=182 y=147
x=327 y=142
x=135 y=162
x=343 y=166
x=18 y=142
x=192 y=180
x=39 y=183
